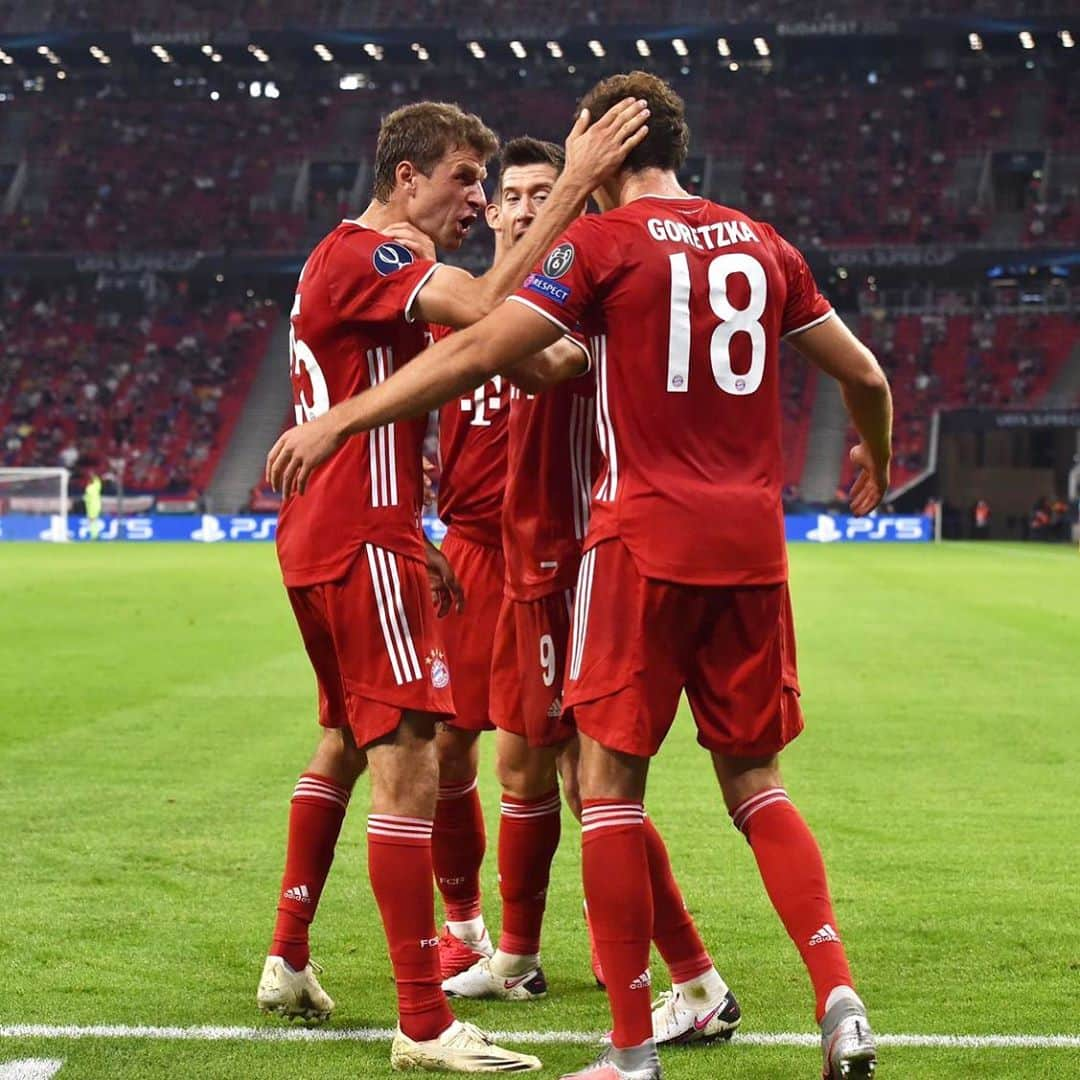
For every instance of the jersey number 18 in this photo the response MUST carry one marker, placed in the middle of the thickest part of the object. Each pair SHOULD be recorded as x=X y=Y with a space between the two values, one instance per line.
x=733 y=321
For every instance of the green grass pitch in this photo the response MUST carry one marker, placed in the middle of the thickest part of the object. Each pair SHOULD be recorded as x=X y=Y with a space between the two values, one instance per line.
x=156 y=708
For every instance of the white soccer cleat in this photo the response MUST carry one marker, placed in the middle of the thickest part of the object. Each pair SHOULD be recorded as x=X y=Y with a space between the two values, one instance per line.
x=460 y=1048
x=293 y=995
x=678 y=1021
x=480 y=981
x=847 y=1043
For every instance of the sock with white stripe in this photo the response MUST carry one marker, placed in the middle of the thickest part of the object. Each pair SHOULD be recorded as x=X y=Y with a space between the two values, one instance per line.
x=528 y=838
x=793 y=871
x=615 y=868
x=458 y=843
x=315 y=816
x=399 y=864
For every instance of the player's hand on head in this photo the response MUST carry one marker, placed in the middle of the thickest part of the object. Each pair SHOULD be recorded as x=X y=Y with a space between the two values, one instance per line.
x=871 y=483
x=298 y=452
x=595 y=151
x=419 y=243
x=446 y=592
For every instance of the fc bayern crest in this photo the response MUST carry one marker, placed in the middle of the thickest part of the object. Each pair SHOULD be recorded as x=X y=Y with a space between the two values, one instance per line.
x=437 y=669
x=559 y=260
x=389 y=257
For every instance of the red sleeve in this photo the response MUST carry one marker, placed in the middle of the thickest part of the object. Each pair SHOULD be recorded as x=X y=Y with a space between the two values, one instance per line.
x=372 y=279
x=564 y=282
x=805 y=306
x=438 y=331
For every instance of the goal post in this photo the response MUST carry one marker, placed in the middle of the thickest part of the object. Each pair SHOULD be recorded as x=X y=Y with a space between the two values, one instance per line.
x=37 y=493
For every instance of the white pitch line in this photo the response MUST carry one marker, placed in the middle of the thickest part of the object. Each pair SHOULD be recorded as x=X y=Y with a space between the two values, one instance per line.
x=368 y=1035
x=30 y=1069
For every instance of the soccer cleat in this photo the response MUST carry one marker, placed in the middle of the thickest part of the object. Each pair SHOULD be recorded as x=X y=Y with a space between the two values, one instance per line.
x=594 y=956
x=847 y=1043
x=677 y=1021
x=603 y=1068
x=456 y=956
x=480 y=981
x=293 y=995
x=460 y=1048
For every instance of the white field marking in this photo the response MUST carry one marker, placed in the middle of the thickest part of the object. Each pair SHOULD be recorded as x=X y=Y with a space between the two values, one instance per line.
x=30 y=1069
x=299 y=1034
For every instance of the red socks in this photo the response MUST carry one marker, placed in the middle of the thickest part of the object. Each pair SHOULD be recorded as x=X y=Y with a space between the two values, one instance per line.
x=315 y=816
x=791 y=867
x=457 y=848
x=399 y=864
x=615 y=867
x=528 y=837
x=674 y=931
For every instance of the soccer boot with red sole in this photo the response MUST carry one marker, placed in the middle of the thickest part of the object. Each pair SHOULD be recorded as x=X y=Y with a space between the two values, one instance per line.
x=456 y=956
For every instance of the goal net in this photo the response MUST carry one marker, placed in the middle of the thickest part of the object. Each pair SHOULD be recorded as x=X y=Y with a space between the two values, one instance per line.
x=34 y=504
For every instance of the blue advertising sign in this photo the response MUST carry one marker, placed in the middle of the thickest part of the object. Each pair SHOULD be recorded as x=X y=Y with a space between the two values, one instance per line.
x=826 y=529
x=200 y=529
x=221 y=528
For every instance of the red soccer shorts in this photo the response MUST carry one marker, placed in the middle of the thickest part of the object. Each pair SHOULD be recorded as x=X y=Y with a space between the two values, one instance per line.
x=373 y=640
x=528 y=666
x=637 y=643
x=469 y=636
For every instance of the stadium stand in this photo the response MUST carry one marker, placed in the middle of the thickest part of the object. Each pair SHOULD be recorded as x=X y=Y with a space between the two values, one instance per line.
x=85 y=384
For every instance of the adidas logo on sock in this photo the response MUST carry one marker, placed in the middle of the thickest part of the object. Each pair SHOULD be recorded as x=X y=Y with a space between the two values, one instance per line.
x=824 y=935
x=298 y=893
x=643 y=981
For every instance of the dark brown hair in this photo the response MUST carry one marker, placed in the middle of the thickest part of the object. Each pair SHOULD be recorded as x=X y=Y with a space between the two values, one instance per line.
x=423 y=133
x=525 y=150
x=668 y=141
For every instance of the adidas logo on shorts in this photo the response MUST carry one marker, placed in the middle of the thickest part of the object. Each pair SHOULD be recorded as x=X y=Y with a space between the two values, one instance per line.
x=555 y=709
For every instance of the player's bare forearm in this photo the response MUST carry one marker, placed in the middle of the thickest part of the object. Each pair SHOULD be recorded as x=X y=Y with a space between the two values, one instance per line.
x=840 y=354
x=448 y=369
x=555 y=364
x=869 y=403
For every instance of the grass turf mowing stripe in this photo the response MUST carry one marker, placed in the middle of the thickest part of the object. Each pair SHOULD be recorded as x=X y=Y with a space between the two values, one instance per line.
x=300 y=1034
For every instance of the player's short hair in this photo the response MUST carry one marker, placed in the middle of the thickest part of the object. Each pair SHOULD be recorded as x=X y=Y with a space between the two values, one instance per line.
x=668 y=140
x=423 y=133
x=525 y=150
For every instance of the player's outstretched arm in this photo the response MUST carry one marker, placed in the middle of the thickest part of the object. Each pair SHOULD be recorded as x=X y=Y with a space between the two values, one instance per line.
x=448 y=369
x=839 y=353
x=593 y=154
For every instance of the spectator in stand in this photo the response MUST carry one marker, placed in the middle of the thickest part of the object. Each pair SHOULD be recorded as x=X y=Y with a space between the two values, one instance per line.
x=981 y=520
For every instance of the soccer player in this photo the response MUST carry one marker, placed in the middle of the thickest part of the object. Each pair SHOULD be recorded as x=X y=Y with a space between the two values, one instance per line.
x=553 y=461
x=353 y=558
x=684 y=580
x=472 y=451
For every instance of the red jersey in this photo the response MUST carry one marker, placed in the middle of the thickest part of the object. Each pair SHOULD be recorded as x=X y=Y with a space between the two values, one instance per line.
x=472 y=450
x=686 y=302
x=350 y=328
x=551 y=464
